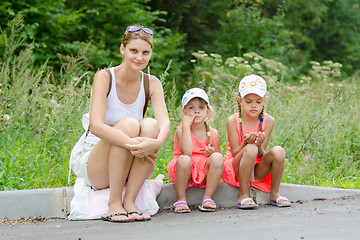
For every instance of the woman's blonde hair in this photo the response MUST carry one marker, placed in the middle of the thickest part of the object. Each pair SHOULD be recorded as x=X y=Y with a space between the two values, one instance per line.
x=128 y=36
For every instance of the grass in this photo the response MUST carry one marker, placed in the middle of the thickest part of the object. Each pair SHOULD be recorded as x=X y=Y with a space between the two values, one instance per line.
x=317 y=116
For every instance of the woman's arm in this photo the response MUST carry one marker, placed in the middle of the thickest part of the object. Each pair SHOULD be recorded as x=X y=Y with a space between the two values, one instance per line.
x=159 y=110
x=148 y=146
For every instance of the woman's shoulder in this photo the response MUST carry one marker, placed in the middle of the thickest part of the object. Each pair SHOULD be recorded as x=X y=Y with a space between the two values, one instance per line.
x=155 y=86
x=153 y=79
x=100 y=78
x=101 y=72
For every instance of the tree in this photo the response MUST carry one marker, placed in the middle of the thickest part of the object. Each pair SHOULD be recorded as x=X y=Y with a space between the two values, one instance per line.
x=325 y=30
x=61 y=29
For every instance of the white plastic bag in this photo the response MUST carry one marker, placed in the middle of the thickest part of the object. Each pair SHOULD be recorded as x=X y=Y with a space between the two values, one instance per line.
x=93 y=204
x=76 y=152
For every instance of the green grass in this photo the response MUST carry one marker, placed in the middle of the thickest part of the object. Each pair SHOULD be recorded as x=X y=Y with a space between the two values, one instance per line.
x=317 y=116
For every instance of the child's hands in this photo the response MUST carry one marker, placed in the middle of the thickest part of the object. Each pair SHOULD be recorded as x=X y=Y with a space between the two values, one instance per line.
x=187 y=120
x=209 y=150
x=260 y=139
x=250 y=138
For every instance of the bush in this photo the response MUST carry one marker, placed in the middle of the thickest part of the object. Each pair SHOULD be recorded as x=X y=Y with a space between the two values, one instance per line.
x=317 y=118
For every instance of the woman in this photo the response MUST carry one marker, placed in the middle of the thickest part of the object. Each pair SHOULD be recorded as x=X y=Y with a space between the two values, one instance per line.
x=124 y=144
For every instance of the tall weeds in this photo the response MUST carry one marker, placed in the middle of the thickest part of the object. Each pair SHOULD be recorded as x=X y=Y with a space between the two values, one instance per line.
x=43 y=117
x=317 y=115
x=316 y=118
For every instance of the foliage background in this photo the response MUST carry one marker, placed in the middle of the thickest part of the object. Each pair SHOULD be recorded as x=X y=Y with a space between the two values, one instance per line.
x=307 y=51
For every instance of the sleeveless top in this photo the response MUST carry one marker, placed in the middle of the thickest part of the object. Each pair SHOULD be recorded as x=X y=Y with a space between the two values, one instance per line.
x=116 y=110
x=198 y=160
x=228 y=174
x=198 y=146
x=245 y=131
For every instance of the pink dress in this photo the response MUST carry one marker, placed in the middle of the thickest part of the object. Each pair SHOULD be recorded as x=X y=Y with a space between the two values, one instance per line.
x=198 y=160
x=228 y=174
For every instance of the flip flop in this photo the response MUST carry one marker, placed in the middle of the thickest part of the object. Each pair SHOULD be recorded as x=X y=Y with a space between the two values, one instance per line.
x=109 y=218
x=277 y=202
x=243 y=204
x=140 y=214
x=207 y=201
x=181 y=204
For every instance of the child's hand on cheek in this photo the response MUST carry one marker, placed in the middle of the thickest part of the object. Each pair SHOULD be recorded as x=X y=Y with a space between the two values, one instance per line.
x=187 y=120
x=250 y=138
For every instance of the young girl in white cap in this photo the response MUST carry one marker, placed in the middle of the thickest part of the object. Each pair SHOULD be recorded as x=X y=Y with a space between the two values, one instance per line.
x=248 y=132
x=197 y=160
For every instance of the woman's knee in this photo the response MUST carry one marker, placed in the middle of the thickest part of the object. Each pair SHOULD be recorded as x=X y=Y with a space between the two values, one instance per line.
x=183 y=163
x=149 y=128
x=129 y=126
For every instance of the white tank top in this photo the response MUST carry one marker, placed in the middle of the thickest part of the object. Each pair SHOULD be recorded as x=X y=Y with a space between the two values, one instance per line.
x=116 y=110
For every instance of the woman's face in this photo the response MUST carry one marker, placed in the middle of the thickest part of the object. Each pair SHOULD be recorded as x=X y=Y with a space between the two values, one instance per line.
x=136 y=54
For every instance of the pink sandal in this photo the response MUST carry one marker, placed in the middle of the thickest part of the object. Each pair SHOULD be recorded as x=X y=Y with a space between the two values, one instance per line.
x=204 y=203
x=181 y=207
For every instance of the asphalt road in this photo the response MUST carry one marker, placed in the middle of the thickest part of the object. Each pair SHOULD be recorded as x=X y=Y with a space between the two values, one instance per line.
x=318 y=219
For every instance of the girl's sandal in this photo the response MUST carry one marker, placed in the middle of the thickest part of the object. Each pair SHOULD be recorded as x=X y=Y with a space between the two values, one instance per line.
x=204 y=207
x=181 y=207
x=246 y=203
x=278 y=202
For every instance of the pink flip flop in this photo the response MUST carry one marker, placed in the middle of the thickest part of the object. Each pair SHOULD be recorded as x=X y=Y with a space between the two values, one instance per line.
x=180 y=205
x=207 y=201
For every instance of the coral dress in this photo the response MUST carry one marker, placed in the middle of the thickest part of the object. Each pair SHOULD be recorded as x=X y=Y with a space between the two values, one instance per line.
x=198 y=160
x=229 y=174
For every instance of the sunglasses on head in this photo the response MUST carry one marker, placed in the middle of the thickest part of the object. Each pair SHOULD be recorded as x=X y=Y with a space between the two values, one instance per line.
x=134 y=28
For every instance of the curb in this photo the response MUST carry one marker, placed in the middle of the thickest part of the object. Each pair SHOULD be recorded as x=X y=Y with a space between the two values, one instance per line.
x=55 y=202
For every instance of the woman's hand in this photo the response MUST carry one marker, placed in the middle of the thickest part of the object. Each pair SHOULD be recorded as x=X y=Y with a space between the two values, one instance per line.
x=209 y=150
x=145 y=148
x=151 y=158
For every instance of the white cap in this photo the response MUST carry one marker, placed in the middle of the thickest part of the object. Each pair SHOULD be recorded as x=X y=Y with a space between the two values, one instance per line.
x=252 y=84
x=193 y=93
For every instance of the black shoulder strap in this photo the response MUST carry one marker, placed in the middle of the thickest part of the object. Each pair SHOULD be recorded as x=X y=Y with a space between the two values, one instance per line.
x=146 y=88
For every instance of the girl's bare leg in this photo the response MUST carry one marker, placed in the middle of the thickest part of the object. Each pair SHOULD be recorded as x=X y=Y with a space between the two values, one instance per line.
x=214 y=167
x=182 y=177
x=273 y=161
x=246 y=168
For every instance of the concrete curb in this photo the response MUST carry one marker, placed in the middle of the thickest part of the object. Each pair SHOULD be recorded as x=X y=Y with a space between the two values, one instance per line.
x=55 y=202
